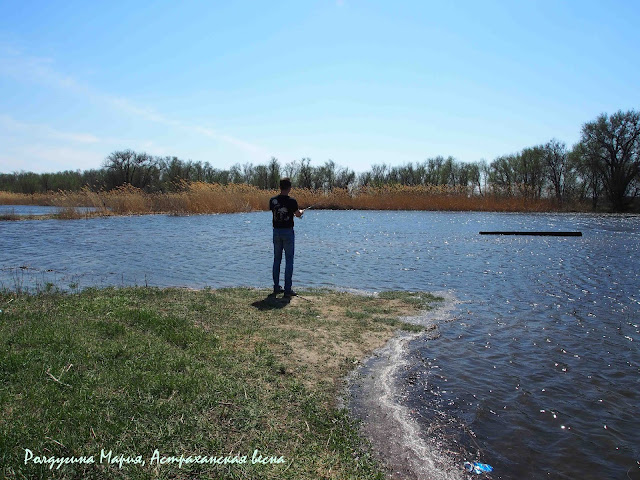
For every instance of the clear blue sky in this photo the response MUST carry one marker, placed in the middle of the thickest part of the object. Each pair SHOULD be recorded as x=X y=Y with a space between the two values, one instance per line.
x=359 y=82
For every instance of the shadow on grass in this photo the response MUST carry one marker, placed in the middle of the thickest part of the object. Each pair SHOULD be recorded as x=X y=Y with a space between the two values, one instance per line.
x=271 y=302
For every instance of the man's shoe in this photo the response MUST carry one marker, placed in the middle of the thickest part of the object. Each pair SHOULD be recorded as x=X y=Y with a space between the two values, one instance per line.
x=277 y=290
x=290 y=293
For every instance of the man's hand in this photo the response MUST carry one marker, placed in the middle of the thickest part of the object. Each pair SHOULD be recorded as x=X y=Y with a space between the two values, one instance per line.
x=299 y=213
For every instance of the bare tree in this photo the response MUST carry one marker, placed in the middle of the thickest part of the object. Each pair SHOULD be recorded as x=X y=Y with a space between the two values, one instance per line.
x=128 y=167
x=305 y=174
x=291 y=170
x=556 y=163
x=502 y=175
x=273 y=173
x=613 y=143
x=529 y=169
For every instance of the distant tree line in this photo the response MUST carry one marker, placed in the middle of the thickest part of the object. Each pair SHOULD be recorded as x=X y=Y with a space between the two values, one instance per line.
x=605 y=163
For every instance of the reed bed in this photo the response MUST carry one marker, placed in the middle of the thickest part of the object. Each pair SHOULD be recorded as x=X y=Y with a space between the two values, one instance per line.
x=10 y=198
x=206 y=198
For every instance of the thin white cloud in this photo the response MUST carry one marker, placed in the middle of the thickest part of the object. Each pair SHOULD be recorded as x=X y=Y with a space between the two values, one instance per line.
x=41 y=70
x=126 y=106
x=153 y=116
x=42 y=148
x=35 y=69
x=76 y=137
x=34 y=130
x=47 y=158
x=208 y=132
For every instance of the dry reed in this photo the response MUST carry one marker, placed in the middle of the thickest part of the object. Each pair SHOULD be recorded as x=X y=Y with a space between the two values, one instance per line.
x=10 y=198
x=205 y=198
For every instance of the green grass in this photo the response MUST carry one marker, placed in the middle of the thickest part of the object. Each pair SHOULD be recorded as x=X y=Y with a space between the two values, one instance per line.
x=358 y=315
x=210 y=372
x=421 y=300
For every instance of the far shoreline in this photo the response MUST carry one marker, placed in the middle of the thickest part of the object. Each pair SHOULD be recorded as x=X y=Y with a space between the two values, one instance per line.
x=203 y=198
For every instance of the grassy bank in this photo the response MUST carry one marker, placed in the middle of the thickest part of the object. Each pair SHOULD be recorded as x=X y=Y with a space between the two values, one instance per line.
x=212 y=373
x=199 y=198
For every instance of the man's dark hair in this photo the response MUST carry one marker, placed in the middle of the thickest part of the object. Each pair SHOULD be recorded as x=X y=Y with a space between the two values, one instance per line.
x=285 y=183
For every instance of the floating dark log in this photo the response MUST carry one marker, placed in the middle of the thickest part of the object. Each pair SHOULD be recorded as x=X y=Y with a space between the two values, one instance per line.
x=537 y=234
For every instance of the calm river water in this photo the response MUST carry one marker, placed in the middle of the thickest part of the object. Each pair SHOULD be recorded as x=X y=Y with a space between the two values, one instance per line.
x=536 y=371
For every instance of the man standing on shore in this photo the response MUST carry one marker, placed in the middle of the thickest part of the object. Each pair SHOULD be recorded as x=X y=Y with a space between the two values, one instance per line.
x=283 y=207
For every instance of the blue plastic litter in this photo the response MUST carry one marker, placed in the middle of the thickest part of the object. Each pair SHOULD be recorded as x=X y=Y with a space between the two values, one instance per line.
x=477 y=467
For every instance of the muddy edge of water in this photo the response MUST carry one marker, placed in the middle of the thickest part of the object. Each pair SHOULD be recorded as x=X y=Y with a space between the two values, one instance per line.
x=372 y=396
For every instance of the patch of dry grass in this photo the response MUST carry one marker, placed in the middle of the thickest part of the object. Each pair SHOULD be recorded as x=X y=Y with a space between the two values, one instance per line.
x=310 y=349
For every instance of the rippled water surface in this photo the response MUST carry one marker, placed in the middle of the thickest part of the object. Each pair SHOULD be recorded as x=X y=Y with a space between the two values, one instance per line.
x=21 y=210
x=27 y=209
x=538 y=370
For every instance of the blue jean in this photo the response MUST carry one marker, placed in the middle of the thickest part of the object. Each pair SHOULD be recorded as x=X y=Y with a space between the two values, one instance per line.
x=283 y=239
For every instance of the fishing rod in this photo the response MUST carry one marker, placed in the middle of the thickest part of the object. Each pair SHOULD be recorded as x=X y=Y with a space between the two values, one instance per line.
x=310 y=207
